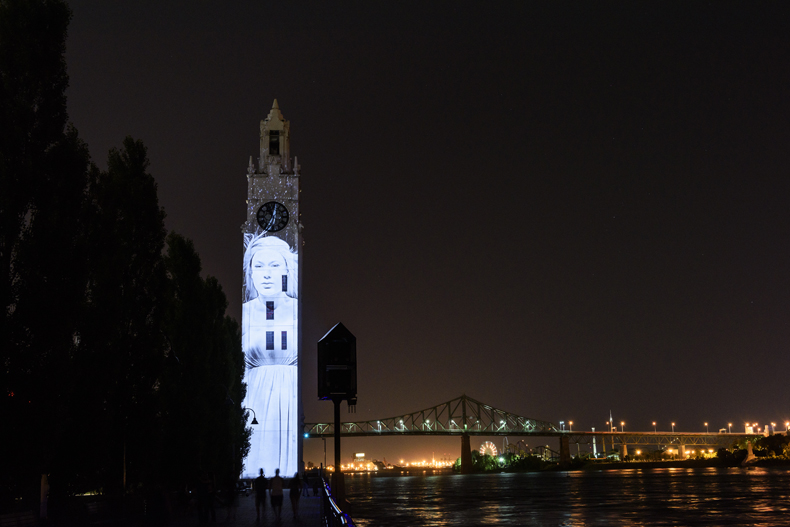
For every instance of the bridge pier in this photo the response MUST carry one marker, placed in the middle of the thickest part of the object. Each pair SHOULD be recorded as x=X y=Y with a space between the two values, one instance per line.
x=682 y=451
x=466 y=454
x=565 y=452
x=623 y=452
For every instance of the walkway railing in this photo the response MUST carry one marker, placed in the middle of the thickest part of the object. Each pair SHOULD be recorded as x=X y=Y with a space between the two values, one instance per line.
x=331 y=514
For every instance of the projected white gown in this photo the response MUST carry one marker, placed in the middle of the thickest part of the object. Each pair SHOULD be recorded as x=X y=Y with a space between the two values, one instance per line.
x=270 y=348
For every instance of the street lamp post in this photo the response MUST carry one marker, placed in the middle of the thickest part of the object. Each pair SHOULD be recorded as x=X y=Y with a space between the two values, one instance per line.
x=254 y=420
x=729 y=427
x=673 y=428
x=622 y=426
x=706 y=428
x=655 y=431
x=233 y=444
x=570 y=424
x=562 y=424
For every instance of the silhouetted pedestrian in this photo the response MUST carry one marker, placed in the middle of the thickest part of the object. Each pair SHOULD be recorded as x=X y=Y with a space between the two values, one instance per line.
x=260 y=495
x=294 y=492
x=276 y=490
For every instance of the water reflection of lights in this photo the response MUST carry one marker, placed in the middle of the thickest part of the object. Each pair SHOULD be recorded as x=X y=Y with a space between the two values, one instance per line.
x=434 y=463
x=357 y=467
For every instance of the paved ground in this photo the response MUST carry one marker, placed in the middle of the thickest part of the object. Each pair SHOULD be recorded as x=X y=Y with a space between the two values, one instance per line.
x=309 y=514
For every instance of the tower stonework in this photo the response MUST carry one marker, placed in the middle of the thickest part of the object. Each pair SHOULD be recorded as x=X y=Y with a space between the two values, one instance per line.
x=271 y=314
x=275 y=176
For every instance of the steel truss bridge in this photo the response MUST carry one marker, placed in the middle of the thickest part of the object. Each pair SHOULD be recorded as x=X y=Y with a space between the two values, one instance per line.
x=465 y=417
x=462 y=415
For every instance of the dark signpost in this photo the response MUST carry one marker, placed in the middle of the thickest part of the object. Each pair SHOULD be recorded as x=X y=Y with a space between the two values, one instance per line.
x=337 y=381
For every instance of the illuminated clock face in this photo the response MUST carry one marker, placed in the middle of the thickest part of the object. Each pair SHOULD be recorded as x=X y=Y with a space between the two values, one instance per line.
x=272 y=216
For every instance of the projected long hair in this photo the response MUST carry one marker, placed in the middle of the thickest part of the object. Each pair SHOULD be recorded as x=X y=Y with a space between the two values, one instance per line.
x=255 y=242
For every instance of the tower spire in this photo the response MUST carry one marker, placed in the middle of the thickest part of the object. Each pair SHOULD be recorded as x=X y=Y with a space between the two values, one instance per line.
x=275 y=149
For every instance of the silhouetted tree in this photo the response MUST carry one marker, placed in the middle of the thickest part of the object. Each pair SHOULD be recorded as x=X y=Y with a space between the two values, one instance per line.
x=44 y=176
x=117 y=361
x=773 y=445
x=201 y=389
x=121 y=342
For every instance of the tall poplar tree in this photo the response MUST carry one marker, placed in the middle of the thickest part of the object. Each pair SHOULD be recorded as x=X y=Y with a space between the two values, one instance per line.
x=44 y=176
x=120 y=367
x=122 y=343
x=201 y=389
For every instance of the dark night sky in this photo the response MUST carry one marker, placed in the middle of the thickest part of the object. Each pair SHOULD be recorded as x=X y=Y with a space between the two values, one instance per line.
x=558 y=210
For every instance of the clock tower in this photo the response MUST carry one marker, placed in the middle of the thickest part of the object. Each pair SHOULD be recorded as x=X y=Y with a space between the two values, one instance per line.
x=271 y=338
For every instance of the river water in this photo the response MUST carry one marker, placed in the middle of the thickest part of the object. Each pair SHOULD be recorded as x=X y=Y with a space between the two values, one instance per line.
x=663 y=496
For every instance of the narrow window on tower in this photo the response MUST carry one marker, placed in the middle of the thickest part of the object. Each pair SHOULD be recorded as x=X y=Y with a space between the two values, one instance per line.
x=269 y=310
x=284 y=342
x=270 y=340
x=285 y=282
x=274 y=142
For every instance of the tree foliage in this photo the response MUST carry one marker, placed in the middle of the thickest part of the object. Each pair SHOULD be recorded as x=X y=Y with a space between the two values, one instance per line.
x=203 y=377
x=505 y=461
x=44 y=175
x=121 y=369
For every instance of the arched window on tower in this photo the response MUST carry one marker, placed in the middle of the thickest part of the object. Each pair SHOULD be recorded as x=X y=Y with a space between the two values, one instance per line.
x=274 y=142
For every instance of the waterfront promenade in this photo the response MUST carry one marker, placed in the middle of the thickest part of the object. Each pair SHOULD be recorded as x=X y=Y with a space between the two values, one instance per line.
x=309 y=514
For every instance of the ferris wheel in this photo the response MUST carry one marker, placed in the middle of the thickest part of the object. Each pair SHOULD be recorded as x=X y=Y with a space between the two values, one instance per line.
x=488 y=449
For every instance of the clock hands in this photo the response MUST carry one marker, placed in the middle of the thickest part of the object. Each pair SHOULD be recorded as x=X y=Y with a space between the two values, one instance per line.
x=272 y=216
x=270 y=224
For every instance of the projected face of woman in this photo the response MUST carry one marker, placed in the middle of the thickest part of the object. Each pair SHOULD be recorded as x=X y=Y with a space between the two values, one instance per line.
x=268 y=268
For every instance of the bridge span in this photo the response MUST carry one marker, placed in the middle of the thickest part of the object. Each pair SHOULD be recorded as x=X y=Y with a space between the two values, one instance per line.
x=466 y=417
